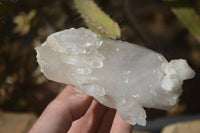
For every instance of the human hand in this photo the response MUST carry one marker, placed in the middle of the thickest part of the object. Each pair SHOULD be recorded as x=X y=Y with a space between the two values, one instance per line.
x=74 y=113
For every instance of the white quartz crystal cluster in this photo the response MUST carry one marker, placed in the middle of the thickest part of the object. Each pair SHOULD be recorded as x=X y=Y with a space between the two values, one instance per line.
x=118 y=74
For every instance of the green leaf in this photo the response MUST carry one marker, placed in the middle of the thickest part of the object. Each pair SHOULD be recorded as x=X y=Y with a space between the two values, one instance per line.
x=187 y=15
x=97 y=20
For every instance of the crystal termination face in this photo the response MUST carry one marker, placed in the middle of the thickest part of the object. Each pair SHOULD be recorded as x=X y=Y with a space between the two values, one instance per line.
x=118 y=74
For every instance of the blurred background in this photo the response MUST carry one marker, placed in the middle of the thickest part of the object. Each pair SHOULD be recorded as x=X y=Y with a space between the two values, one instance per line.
x=149 y=23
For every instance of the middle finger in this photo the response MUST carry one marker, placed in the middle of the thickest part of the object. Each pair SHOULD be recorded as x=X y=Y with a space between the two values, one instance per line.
x=91 y=121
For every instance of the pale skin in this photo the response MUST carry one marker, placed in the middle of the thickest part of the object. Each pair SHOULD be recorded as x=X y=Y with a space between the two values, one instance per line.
x=70 y=112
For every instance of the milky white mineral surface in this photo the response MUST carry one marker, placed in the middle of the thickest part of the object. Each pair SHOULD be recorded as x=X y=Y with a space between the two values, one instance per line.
x=118 y=74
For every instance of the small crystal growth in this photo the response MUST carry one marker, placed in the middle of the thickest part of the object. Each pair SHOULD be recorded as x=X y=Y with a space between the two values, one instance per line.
x=118 y=74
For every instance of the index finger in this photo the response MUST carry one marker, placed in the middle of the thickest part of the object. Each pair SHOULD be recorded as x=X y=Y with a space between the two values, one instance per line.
x=61 y=112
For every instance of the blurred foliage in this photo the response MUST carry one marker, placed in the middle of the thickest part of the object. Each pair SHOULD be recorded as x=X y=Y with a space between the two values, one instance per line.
x=5 y=9
x=187 y=15
x=23 y=22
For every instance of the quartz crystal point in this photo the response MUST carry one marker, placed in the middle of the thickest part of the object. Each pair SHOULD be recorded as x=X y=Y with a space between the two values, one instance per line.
x=118 y=74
